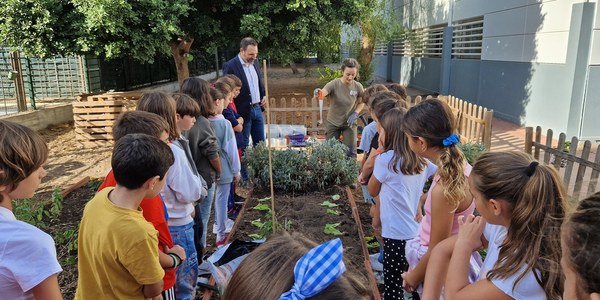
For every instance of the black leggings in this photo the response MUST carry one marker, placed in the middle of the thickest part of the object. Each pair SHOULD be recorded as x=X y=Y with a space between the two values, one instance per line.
x=394 y=264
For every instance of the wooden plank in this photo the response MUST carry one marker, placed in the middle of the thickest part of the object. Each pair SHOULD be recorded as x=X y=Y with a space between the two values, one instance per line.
x=94 y=130
x=595 y=173
x=90 y=110
x=99 y=123
x=560 y=154
x=528 y=140
x=304 y=116
x=585 y=154
x=298 y=109
x=95 y=117
x=283 y=104
x=538 y=137
x=569 y=166
x=105 y=103
x=549 y=144
x=91 y=137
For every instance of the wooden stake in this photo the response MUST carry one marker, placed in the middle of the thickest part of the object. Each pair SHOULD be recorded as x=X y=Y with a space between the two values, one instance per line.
x=274 y=219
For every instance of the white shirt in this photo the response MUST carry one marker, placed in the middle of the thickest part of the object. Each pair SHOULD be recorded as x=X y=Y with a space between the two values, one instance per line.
x=252 y=78
x=27 y=257
x=528 y=288
x=399 y=197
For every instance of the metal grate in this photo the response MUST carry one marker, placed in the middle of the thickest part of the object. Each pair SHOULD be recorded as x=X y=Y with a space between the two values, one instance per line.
x=381 y=48
x=467 y=39
x=422 y=42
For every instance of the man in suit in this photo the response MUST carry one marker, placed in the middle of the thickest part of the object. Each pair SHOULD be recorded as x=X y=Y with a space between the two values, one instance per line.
x=250 y=101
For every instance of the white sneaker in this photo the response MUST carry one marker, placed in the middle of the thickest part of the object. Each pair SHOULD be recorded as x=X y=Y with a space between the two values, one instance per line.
x=375 y=264
x=228 y=225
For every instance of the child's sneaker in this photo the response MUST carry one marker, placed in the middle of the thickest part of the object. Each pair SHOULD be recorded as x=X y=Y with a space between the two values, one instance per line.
x=221 y=243
x=238 y=199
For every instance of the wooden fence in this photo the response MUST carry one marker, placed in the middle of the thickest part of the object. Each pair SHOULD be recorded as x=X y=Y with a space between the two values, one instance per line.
x=94 y=116
x=567 y=157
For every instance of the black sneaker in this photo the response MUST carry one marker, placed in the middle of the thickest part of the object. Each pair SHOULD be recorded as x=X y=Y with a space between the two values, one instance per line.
x=238 y=199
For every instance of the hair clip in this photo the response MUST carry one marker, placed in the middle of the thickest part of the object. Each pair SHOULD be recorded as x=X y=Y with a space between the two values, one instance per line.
x=451 y=140
x=316 y=270
x=531 y=168
x=213 y=85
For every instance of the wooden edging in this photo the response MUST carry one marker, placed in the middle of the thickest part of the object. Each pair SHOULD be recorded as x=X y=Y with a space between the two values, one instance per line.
x=75 y=186
x=363 y=244
x=208 y=293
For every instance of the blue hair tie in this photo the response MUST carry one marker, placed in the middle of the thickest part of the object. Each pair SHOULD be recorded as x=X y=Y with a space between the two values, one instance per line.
x=316 y=270
x=453 y=139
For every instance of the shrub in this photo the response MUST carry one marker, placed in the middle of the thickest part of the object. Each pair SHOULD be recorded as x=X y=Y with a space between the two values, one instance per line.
x=326 y=75
x=315 y=167
x=472 y=151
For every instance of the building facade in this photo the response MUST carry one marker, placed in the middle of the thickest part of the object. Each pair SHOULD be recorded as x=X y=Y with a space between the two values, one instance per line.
x=534 y=62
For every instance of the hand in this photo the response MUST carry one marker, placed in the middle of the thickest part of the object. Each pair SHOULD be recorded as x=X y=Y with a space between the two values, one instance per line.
x=263 y=101
x=470 y=231
x=178 y=250
x=408 y=283
x=352 y=119
x=362 y=180
x=157 y=297
x=377 y=233
x=240 y=120
x=419 y=215
x=236 y=179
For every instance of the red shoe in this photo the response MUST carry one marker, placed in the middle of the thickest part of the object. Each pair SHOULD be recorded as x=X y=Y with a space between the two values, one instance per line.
x=221 y=243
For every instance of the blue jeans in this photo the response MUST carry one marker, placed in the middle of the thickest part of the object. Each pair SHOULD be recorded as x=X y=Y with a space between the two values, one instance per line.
x=187 y=272
x=205 y=207
x=254 y=127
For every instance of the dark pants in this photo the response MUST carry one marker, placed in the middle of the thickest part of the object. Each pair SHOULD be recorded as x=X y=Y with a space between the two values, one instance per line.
x=394 y=264
x=198 y=231
x=255 y=127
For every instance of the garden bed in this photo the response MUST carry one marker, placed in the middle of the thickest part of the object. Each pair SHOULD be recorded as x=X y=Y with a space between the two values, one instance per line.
x=310 y=215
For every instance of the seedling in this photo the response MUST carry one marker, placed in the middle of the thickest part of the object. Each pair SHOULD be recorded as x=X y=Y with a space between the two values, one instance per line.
x=262 y=207
x=328 y=204
x=332 y=212
x=258 y=223
x=331 y=229
x=256 y=236
x=264 y=199
x=372 y=243
x=335 y=197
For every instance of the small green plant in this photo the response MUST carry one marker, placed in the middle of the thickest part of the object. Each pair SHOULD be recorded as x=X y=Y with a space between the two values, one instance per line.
x=332 y=229
x=327 y=74
x=95 y=183
x=472 y=151
x=266 y=227
x=335 y=197
x=264 y=199
x=37 y=212
x=372 y=242
x=332 y=212
x=262 y=207
x=328 y=204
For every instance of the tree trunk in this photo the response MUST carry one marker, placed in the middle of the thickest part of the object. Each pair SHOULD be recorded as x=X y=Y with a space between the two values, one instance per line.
x=294 y=68
x=365 y=57
x=179 y=49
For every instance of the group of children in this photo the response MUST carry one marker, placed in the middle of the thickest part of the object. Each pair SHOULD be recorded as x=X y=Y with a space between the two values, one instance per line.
x=143 y=233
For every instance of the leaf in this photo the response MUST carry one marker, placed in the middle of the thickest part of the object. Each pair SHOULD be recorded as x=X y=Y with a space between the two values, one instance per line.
x=332 y=212
x=373 y=245
x=331 y=229
x=265 y=199
x=256 y=236
x=328 y=204
x=369 y=238
x=262 y=207
x=258 y=223
x=335 y=197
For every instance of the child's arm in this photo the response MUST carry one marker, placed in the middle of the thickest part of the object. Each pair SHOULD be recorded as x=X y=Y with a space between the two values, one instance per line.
x=152 y=290
x=47 y=289
x=367 y=167
x=231 y=150
x=442 y=217
x=457 y=286
x=437 y=268
x=166 y=261
x=186 y=186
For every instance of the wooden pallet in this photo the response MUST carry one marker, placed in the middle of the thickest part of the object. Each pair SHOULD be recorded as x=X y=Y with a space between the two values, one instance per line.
x=95 y=114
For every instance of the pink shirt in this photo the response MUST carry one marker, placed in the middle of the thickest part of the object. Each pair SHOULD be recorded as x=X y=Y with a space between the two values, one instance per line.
x=425 y=228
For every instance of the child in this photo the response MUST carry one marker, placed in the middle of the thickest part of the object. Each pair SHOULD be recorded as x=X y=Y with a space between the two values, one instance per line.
x=204 y=148
x=281 y=269
x=117 y=253
x=580 y=244
x=226 y=86
x=367 y=137
x=398 y=178
x=153 y=208
x=524 y=204
x=230 y=163
x=237 y=87
x=431 y=132
x=28 y=265
x=183 y=187
x=398 y=89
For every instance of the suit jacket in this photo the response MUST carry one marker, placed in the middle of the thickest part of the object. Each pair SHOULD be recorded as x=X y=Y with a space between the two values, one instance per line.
x=244 y=100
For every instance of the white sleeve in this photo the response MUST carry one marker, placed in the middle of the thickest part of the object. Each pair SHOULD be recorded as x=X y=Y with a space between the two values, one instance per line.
x=431 y=168
x=37 y=257
x=186 y=185
x=527 y=288
x=231 y=149
x=381 y=169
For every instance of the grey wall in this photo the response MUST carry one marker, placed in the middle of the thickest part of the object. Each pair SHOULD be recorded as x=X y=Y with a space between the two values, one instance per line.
x=425 y=73
x=464 y=79
x=590 y=128
x=379 y=64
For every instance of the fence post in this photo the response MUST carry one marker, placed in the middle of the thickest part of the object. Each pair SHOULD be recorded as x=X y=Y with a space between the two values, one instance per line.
x=31 y=88
x=528 y=140
x=19 y=85
x=488 y=115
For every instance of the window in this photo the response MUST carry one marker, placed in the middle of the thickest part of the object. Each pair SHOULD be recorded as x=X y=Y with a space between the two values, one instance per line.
x=467 y=38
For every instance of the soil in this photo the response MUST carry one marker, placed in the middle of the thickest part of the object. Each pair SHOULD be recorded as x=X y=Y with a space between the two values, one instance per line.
x=304 y=214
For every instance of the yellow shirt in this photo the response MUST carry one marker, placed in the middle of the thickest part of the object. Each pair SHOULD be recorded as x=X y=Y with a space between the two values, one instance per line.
x=118 y=251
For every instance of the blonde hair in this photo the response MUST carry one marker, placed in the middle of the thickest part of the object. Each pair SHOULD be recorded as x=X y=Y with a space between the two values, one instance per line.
x=538 y=204
x=371 y=91
x=163 y=105
x=22 y=152
x=433 y=121
x=268 y=272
